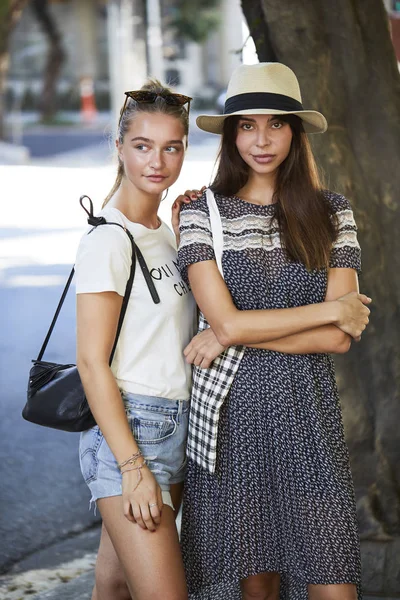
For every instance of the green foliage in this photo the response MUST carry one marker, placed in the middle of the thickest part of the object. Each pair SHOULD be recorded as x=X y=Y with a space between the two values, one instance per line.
x=4 y=6
x=194 y=20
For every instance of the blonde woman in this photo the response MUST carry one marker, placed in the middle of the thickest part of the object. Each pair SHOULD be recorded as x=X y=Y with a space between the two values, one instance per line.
x=133 y=460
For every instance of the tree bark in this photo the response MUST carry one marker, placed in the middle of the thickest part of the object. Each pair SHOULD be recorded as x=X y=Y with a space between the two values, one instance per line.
x=343 y=57
x=55 y=58
x=258 y=27
x=10 y=12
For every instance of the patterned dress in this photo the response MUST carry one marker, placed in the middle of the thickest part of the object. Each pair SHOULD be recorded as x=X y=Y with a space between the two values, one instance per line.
x=281 y=498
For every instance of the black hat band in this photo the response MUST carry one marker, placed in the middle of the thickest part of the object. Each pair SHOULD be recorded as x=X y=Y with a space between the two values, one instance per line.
x=265 y=100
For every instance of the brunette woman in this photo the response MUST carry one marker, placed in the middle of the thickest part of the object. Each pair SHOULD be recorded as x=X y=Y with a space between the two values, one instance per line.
x=133 y=460
x=269 y=507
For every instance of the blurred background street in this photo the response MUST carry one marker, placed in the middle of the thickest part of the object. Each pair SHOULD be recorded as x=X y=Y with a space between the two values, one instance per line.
x=68 y=64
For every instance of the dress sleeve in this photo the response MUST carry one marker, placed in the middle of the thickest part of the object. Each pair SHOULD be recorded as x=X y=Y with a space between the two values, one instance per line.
x=196 y=243
x=103 y=261
x=346 y=251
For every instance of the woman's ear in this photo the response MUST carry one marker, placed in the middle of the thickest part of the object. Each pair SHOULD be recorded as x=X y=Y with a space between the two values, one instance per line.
x=120 y=150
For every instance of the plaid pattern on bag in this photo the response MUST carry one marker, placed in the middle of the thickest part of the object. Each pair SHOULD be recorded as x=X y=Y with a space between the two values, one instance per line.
x=210 y=388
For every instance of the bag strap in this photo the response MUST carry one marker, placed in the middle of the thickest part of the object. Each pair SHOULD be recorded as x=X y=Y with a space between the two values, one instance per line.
x=127 y=293
x=136 y=254
x=50 y=331
x=216 y=229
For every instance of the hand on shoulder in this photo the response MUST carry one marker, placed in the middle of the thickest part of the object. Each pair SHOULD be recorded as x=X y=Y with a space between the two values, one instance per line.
x=184 y=199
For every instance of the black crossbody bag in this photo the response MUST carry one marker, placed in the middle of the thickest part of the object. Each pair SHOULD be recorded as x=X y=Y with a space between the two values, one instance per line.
x=55 y=396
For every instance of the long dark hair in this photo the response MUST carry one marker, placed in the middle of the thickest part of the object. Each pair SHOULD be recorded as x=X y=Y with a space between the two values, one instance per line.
x=306 y=225
x=133 y=107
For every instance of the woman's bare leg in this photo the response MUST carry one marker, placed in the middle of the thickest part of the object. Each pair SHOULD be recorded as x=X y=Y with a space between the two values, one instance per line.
x=345 y=591
x=110 y=578
x=264 y=586
x=151 y=561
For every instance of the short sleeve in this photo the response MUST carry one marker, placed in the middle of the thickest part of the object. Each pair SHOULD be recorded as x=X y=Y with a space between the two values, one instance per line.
x=346 y=251
x=196 y=243
x=103 y=261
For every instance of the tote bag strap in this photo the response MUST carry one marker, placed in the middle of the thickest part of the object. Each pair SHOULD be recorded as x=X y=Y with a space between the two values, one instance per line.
x=54 y=321
x=216 y=229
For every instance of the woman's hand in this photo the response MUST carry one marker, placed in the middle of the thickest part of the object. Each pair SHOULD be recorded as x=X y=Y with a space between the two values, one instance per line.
x=353 y=314
x=142 y=503
x=203 y=349
x=186 y=198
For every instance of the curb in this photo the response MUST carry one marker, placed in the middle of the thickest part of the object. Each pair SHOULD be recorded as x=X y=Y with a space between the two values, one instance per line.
x=66 y=567
x=79 y=588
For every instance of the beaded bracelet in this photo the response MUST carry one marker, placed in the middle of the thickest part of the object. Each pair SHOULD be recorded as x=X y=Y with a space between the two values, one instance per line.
x=131 y=460
x=139 y=470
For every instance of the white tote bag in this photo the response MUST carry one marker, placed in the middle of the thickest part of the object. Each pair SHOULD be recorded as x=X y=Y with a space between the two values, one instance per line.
x=216 y=229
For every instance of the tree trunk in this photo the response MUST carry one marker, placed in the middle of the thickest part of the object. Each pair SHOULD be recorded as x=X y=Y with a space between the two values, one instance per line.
x=55 y=58
x=343 y=56
x=10 y=12
x=258 y=27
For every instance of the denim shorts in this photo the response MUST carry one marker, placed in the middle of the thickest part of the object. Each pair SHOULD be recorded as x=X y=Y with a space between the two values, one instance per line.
x=159 y=427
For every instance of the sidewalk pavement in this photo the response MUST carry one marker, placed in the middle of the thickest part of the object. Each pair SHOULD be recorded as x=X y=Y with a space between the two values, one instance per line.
x=79 y=589
x=63 y=570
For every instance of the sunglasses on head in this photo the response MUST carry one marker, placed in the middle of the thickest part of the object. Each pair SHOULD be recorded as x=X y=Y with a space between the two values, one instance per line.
x=147 y=97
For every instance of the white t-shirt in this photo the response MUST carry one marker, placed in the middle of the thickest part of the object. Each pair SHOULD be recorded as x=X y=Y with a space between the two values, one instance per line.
x=149 y=357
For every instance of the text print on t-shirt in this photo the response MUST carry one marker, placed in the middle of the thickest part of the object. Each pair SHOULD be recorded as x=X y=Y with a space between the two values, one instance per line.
x=167 y=271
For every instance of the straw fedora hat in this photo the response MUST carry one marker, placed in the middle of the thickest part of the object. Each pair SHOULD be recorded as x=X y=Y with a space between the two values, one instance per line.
x=263 y=89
